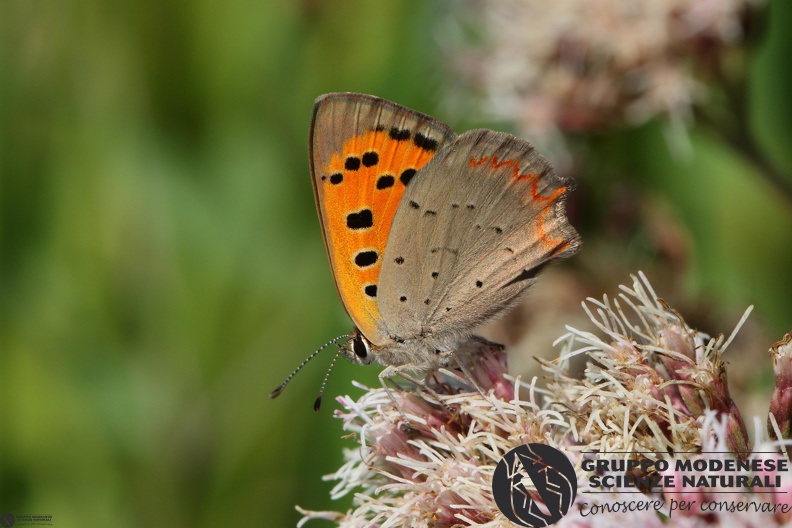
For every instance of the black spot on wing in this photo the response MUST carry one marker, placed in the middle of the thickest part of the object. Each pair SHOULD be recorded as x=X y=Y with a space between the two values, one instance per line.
x=352 y=163
x=385 y=181
x=336 y=178
x=370 y=159
x=399 y=134
x=360 y=220
x=364 y=259
x=407 y=175
x=425 y=142
x=370 y=290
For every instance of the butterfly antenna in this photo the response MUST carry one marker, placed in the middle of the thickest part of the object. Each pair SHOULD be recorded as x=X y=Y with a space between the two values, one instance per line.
x=276 y=392
x=318 y=401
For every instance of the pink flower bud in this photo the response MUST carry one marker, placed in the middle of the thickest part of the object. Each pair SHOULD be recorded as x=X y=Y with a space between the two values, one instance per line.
x=781 y=401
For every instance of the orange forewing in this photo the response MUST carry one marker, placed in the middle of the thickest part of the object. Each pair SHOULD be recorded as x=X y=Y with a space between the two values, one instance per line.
x=364 y=152
x=360 y=194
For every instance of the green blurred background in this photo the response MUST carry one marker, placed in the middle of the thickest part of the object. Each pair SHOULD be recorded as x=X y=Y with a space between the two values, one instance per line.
x=162 y=268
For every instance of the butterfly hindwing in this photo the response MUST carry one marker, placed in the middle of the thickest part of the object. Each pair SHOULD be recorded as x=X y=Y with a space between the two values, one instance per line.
x=365 y=151
x=471 y=234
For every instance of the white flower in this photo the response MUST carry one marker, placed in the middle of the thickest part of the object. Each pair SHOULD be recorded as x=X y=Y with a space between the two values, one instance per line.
x=583 y=65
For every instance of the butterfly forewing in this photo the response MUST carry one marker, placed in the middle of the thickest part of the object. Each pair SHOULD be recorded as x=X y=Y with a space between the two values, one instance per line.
x=470 y=235
x=365 y=152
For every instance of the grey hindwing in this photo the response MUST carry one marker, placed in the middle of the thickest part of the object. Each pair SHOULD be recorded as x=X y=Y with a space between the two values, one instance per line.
x=470 y=234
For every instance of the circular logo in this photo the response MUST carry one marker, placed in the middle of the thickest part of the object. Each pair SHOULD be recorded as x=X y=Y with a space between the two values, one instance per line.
x=7 y=520
x=542 y=468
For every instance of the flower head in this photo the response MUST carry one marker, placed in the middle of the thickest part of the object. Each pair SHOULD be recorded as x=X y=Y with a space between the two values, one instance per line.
x=650 y=380
x=781 y=401
x=438 y=470
x=580 y=65
x=652 y=384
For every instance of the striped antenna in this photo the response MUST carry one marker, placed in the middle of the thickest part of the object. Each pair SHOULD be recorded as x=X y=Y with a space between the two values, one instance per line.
x=318 y=401
x=276 y=392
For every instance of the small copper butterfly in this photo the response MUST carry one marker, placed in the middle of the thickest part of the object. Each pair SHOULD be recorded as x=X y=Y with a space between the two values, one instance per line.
x=429 y=234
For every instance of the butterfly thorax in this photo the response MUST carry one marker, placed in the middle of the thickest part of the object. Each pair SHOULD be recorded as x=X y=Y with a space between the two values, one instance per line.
x=420 y=353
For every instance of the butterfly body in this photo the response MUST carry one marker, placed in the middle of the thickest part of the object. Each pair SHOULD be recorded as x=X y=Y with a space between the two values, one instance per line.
x=420 y=353
x=429 y=234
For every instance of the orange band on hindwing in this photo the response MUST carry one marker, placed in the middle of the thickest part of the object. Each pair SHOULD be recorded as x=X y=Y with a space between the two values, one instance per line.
x=533 y=181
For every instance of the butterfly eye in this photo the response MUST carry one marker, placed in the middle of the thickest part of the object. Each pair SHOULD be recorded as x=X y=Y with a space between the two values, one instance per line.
x=360 y=348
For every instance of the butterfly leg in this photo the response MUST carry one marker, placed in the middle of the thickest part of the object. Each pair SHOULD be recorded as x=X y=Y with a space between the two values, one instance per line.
x=469 y=376
x=386 y=375
x=422 y=384
x=392 y=370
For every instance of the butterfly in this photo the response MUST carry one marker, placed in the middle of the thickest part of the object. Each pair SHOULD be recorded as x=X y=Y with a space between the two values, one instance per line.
x=429 y=234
